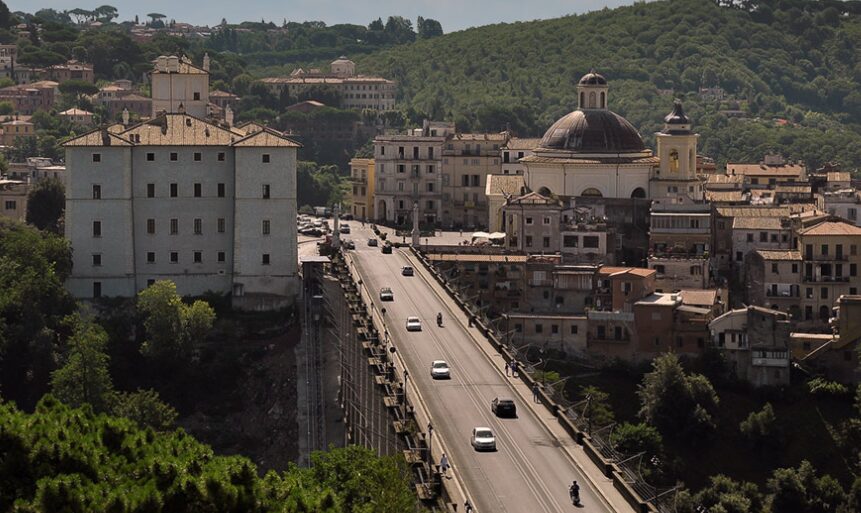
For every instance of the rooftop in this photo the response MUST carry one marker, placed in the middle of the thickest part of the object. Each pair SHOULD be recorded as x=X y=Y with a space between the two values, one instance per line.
x=794 y=170
x=724 y=196
x=757 y=223
x=452 y=257
x=831 y=228
x=699 y=297
x=505 y=184
x=779 y=254
x=724 y=179
x=659 y=299
x=520 y=143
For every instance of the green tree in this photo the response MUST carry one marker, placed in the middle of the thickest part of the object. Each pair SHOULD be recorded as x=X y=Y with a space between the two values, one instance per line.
x=630 y=438
x=760 y=428
x=6 y=18
x=598 y=409
x=145 y=408
x=800 y=490
x=173 y=328
x=6 y=108
x=78 y=88
x=676 y=403
x=46 y=203
x=428 y=28
x=84 y=377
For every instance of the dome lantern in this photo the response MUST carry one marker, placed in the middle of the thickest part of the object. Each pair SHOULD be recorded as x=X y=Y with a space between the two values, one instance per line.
x=592 y=91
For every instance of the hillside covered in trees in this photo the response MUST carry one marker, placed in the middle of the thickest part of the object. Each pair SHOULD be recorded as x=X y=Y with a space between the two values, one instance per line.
x=793 y=67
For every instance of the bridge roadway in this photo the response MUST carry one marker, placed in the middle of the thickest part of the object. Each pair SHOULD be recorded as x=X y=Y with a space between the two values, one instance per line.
x=535 y=463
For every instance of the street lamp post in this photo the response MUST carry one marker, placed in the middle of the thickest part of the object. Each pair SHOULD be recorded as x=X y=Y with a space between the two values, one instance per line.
x=430 y=443
x=406 y=377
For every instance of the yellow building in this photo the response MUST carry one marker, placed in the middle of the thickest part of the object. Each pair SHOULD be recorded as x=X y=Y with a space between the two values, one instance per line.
x=830 y=261
x=467 y=161
x=362 y=181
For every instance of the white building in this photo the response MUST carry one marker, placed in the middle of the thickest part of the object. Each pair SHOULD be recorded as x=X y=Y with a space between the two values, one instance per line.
x=177 y=82
x=176 y=197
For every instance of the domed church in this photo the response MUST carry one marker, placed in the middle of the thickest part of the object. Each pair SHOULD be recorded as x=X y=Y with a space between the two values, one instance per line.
x=595 y=152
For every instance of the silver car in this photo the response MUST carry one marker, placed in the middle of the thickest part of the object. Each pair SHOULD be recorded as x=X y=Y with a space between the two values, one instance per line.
x=483 y=439
x=440 y=370
x=414 y=324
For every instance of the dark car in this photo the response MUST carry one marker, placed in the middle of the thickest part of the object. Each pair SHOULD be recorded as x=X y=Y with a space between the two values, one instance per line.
x=386 y=249
x=503 y=407
x=407 y=270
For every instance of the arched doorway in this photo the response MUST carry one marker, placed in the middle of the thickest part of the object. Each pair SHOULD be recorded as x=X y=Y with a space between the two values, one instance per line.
x=544 y=191
x=638 y=193
x=592 y=193
x=381 y=210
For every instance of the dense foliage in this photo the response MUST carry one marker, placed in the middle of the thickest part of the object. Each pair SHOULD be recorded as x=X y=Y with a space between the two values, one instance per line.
x=46 y=203
x=64 y=459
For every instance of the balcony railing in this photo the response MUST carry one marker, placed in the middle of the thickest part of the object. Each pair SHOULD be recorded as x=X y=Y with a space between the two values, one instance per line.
x=826 y=279
x=826 y=258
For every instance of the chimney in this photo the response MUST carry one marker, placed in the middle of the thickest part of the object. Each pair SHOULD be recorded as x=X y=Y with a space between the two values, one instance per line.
x=125 y=116
x=228 y=116
x=106 y=137
x=161 y=63
x=181 y=108
x=206 y=61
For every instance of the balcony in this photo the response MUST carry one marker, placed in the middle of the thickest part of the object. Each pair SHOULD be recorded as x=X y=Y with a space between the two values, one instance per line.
x=595 y=315
x=770 y=362
x=826 y=258
x=826 y=279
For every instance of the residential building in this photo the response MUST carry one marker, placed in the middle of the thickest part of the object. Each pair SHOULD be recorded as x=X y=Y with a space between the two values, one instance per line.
x=134 y=103
x=467 y=161
x=514 y=149
x=680 y=238
x=830 y=262
x=771 y=171
x=27 y=99
x=759 y=233
x=223 y=99
x=362 y=198
x=209 y=207
x=15 y=129
x=773 y=280
x=532 y=223
x=178 y=85
x=71 y=70
x=36 y=169
x=8 y=56
x=755 y=341
x=585 y=238
x=76 y=116
x=409 y=171
x=835 y=355
x=355 y=91
x=13 y=199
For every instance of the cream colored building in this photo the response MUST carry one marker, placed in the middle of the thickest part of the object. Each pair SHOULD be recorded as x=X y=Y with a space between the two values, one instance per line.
x=675 y=180
x=830 y=256
x=499 y=189
x=77 y=116
x=13 y=199
x=178 y=84
x=212 y=208
x=468 y=159
x=355 y=91
x=771 y=171
x=362 y=181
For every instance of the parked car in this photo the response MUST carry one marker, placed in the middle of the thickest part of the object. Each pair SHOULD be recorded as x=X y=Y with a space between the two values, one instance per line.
x=414 y=324
x=440 y=370
x=349 y=244
x=372 y=242
x=483 y=439
x=345 y=228
x=407 y=270
x=386 y=294
x=503 y=407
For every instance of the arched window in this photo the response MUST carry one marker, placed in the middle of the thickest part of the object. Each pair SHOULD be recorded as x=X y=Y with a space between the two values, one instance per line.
x=603 y=100
x=592 y=100
x=638 y=193
x=582 y=100
x=674 y=161
x=591 y=191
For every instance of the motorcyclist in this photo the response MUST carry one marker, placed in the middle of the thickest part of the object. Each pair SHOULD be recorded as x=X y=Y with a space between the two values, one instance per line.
x=439 y=318
x=574 y=490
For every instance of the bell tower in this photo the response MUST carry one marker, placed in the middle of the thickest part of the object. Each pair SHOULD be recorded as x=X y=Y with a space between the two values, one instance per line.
x=677 y=146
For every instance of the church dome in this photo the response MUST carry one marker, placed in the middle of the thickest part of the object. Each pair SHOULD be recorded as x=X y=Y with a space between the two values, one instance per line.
x=593 y=131
x=593 y=78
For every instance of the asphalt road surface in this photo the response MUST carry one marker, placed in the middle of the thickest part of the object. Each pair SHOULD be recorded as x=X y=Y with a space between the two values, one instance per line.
x=530 y=472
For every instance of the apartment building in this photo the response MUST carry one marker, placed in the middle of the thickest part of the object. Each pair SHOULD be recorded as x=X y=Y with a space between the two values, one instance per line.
x=680 y=238
x=13 y=199
x=532 y=223
x=362 y=194
x=77 y=116
x=773 y=170
x=755 y=341
x=834 y=355
x=773 y=280
x=467 y=161
x=71 y=70
x=8 y=56
x=27 y=99
x=355 y=91
x=12 y=130
x=830 y=261
x=759 y=233
x=499 y=189
x=177 y=84
x=408 y=171
x=179 y=198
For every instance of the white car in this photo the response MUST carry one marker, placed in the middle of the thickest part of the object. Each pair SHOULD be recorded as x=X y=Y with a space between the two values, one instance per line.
x=414 y=324
x=483 y=439
x=440 y=370
x=386 y=294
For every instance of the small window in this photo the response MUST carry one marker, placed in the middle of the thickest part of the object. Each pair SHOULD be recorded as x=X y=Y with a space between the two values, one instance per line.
x=150 y=257
x=174 y=190
x=97 y=157
x=174 y=226
x=197 y=157
x=174 y=257
x=221 y=156
x=150 y=226
x=221 y=224
x=198 y=257
x=97 y=192
x=528 y=220
x=266 y=227
x=198 y=190
x=574 y=329
x=97 y=228
x=150 y=282
x=150 y=190
x=174 y=156
x=266 y=191
x=97 y=289
x=221 y=256
x=265 y=258
x=97 y=260
x=539 y=328
x=196 y=96
x=150 y=157
x=221 y=190
x=198 y=226
x=265 y=158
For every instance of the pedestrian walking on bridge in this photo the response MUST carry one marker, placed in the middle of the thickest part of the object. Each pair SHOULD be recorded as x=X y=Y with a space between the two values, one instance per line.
x=535 y=392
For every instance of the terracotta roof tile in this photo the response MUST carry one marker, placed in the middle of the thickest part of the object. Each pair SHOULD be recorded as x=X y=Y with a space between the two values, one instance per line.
x=831 y=228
